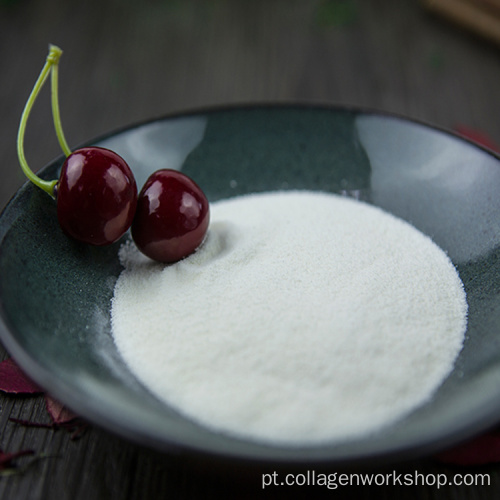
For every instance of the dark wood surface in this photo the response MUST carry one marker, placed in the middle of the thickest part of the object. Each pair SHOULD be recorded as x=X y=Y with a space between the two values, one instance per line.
x=133 y=60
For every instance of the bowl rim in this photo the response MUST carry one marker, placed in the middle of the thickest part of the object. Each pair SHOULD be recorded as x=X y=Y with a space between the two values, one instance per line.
x=270 y=105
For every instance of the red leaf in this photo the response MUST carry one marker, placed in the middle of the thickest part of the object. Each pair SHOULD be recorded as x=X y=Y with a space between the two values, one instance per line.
x=65 y=418
x=62 y=418
x=7 y=459
x=14 y=381
x=59 y=413
x=482 y=450
x=477 y=136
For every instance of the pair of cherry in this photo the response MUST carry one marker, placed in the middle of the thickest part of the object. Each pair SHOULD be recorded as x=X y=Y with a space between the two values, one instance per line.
x=97 y=202
x=97 y=198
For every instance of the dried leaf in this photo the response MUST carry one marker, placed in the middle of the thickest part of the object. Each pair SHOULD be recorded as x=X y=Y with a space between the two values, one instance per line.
x=477 y=136
x=30 y=423
x=58 y=412
x=14 y=381
x=482 y=450
x=76 y=426
x=65 y=418
x=7 y=460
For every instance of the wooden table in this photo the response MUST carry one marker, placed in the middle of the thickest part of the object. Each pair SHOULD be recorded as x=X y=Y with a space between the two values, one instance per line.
x=129 y=61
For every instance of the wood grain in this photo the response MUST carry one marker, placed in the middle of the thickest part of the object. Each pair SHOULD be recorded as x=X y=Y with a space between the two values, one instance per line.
x=129 y=61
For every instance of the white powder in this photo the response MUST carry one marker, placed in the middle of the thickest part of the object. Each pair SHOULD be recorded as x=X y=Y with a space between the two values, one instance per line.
x=304 y=318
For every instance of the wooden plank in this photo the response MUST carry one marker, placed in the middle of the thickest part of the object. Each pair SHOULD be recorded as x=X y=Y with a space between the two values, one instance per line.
x=481 y=17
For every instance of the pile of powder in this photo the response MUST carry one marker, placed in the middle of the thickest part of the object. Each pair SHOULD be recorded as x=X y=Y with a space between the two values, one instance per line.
x=304 y=318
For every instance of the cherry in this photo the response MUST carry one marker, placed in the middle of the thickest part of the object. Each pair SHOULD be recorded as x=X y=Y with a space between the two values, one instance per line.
x=96 y=196
x=96 y=192
x=172 y=216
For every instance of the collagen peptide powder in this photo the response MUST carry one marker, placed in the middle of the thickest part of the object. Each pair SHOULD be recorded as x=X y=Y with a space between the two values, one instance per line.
x=304 y=318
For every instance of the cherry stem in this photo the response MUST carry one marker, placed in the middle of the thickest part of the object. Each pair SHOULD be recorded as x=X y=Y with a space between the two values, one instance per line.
x=55 y=108
x=50 y=66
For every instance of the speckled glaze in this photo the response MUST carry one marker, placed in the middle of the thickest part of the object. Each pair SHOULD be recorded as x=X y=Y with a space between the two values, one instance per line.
x=55 y=293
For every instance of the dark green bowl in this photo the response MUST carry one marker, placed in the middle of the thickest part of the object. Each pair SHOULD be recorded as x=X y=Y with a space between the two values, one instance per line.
x=55 y=293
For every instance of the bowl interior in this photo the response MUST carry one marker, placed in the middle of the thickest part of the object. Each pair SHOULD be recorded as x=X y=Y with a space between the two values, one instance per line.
x=55 y=293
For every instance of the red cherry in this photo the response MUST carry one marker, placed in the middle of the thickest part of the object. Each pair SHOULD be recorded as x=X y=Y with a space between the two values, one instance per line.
x=171 y=218
x=96 y=196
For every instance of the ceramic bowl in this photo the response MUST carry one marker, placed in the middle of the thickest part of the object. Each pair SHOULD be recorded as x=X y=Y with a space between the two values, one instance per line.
x=55 y=293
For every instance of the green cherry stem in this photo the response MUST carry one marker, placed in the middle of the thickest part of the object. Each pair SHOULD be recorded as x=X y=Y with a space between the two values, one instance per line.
x=55 y=107
x=50 y=66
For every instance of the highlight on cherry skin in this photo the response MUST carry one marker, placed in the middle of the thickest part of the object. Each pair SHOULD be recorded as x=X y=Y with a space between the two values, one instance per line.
x=172 y=216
